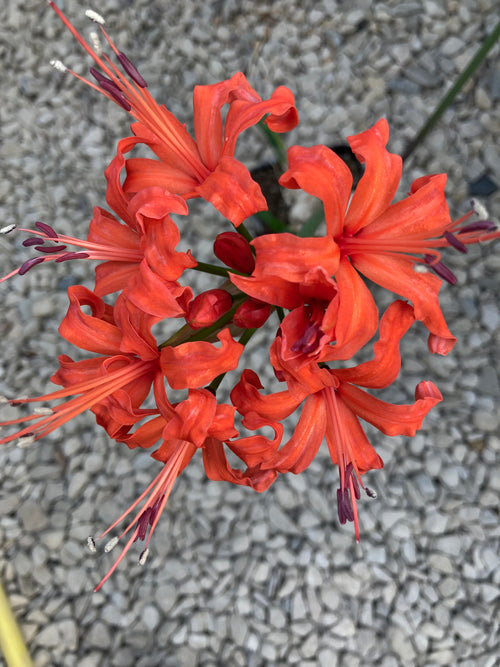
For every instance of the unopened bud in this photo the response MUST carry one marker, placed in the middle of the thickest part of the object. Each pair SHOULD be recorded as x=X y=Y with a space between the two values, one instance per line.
x=234 y=251
x=251 y=314
x=207 y=307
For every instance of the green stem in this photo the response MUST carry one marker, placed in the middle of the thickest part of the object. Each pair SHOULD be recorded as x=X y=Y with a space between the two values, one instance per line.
x=312 y=223
x=241 y=229
x=275 y=142
x=272 y=222
x=454 y=90
x=214 y=270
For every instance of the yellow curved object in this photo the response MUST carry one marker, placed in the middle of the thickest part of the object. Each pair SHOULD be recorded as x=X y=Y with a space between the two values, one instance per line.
x=11 y=640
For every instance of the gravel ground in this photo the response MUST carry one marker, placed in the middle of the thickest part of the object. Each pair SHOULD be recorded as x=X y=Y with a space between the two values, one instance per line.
x=237 y=578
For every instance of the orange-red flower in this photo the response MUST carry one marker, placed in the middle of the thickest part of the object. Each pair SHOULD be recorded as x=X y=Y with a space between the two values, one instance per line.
x=204 y=167
x=383 y=241
x=112 y=385
x=333 y=404
x=198 y=422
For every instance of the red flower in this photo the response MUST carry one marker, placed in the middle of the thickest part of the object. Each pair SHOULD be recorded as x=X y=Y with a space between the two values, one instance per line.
x=195 y=423
x=385 y=241
x=332 y=405
x=113 y=385
x=203 y=168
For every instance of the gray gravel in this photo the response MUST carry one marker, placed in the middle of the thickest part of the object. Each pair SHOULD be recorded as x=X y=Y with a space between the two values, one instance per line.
x=236 y=578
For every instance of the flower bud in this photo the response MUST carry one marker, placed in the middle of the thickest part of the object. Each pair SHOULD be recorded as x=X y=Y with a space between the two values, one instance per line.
x=207 y=307
x=234 y=251
x=251 y=314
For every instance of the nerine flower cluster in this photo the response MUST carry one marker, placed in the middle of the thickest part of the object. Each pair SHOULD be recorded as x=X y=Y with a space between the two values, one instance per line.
x=312 y=290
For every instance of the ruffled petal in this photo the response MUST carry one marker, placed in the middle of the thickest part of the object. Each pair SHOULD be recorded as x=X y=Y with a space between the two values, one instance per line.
x=233 y=192
x=196 y=364
x=388 y=418
x=322 y=174
x=207 y=104
x=218 y=469
x=384 y=368
x=298 y=453
x=379 y=183
x=357 y=315
x=422 y=289
x=423 y=213
x=274 y=407
x=96 y=332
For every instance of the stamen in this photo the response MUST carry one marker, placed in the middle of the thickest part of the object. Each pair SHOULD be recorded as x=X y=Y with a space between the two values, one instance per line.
x=479 y=208
x=91 y=544
x=132 y=70
x=33 y=240
x=29 y=264
x=50 y=249
x=441 y=269
x=478 y=226
x=453 y=241
x=7 y=229
x=72 y=255
x=111 y=544
x=46 y=229
x=58 y=65
x=94 y=16
x=111 y=88
x=3 y=400
x=144 y=556
x=370 y=492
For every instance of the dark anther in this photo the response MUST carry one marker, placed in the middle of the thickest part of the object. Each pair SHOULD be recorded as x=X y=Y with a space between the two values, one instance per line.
x=132 y=70
x=46 y=229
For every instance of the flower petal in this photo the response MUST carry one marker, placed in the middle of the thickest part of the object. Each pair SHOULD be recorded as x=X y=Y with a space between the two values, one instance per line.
x=399 y=276
x=96 y=332
x=298 y=453
x=388 y=418
x=274 y=407
x=384 y=368
x=322 y=174
x=379 y=183
x=196 y=364
x=357 y=315
x=233 y=192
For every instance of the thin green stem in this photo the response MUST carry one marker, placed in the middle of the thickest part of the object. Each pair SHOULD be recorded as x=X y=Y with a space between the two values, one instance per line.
x=275 y=142
x=312 y=223
x=241 y=229
x=213 y=269
x=454 y=90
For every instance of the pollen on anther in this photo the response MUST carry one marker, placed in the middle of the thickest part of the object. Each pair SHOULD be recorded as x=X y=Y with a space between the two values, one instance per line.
x=91 y=544
x=58 y=65
x=144 y=556
x=43 y=411
x=25 y=440
x=111 y=544
x=94 y=16
x=7 y=229
x=370 y=492
x=96 y=43
x=479 y=208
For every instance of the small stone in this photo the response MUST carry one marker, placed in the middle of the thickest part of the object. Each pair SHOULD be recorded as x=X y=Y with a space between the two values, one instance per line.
x=344 y=628
x=32 y=517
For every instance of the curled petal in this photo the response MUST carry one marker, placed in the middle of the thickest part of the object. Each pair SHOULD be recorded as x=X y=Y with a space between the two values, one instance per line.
x=423 y=213
x=379 y=183
x=357 y=314
x=247 y=398
x=233 y=192
x=384 y=368
x=218 y=469
x=398 y=275
x=322 y=174
x=388 y=418
x=196 y=364
x=95 y=333
x=298 y=453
